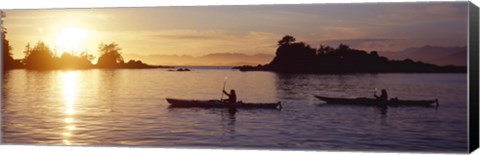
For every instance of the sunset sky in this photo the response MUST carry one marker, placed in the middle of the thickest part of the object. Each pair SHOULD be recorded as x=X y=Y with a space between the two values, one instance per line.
x=250 y=30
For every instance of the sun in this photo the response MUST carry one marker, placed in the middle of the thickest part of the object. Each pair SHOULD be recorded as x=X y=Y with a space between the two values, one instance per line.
x=71 y=39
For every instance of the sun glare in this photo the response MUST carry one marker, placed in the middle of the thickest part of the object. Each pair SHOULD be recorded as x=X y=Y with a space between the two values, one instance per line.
x=69 y=81
x=71 y=39
x=69 y=85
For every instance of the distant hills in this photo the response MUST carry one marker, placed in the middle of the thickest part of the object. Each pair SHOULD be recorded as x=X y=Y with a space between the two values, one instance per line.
x=432 y=54
x=429 y=54
x=214 y=59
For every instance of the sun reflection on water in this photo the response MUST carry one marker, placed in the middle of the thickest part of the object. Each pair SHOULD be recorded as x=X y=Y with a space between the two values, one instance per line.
x=68 y=120
x=69 y=86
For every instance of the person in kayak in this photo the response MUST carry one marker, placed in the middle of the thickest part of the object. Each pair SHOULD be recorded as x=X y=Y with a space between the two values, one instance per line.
x=383 y=96
x=232 y=97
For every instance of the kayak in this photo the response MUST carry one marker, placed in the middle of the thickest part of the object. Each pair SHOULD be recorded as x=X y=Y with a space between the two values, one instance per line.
x=219 y=104
x=375 y=102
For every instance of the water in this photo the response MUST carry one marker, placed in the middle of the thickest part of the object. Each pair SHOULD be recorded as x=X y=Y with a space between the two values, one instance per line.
x=128 y=108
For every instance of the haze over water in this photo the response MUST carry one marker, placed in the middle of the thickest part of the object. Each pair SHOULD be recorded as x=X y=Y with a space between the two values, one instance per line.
x=128 y=108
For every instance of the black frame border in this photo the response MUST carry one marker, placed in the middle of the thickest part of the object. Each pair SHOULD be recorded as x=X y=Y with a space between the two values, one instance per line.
x=473 y=37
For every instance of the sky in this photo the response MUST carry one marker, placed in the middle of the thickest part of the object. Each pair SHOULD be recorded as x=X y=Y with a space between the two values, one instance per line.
x=254 y=29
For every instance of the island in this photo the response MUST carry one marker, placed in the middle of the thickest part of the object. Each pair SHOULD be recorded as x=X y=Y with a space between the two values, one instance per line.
x=298 y=57
x=41 y=57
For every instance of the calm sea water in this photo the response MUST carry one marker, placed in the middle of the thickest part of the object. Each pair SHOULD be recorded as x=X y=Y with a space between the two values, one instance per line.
x=128 y=108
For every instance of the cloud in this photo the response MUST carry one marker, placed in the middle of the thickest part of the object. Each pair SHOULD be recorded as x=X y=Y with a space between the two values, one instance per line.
x=407 y=14
x=361 y=40
x=445 y=10
x=390 y=27
x=370 y=44
x=186 y=37
x=191 y=42
x=189 y=34
x=48 y=15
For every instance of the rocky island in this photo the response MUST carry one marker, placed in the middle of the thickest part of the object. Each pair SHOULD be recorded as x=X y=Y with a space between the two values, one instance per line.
x=298 y=57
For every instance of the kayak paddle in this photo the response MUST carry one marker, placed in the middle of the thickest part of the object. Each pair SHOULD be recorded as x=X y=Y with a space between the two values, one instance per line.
x=223 y=89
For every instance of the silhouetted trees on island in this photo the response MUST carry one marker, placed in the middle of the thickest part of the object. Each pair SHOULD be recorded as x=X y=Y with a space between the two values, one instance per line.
x=41 y=57
x=110 y=56
x=298 y=57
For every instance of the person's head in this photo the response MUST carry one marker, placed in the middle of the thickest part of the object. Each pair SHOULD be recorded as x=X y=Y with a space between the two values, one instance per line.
x=232 y=91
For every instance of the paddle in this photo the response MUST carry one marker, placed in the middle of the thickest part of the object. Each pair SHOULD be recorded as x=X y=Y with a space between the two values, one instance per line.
x=223 y=89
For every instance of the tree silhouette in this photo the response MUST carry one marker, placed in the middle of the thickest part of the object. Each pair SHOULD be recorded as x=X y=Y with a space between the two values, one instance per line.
x=39 y=57
x=110 y=55
x=8 y=61
x=86 y=56
x=343 y=47
x=324 y=50
x=286 y=40
x=70 y=61
x=6 y=46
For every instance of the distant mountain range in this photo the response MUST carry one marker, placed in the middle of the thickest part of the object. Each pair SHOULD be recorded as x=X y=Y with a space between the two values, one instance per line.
x=214 y=59
x=428 y=54
x=432 y=54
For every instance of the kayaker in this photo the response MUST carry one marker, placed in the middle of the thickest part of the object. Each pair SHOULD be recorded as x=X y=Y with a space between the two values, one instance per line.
x=232 y=97
x=383 y=96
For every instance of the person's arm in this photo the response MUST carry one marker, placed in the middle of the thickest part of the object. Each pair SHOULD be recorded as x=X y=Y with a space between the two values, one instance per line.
x=226 y=93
